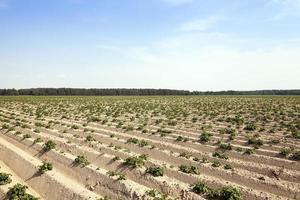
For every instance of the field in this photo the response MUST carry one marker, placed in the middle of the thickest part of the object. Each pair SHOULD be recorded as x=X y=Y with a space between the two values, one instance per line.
x=160 y=147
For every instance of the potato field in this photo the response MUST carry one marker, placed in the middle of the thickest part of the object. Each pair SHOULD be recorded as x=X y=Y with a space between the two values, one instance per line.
x=150 y=147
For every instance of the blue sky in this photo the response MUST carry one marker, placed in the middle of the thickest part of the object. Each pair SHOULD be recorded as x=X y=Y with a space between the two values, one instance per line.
x=178 y=44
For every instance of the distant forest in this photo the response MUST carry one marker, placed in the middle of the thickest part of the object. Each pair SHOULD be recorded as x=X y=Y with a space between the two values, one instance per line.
x=133 y=92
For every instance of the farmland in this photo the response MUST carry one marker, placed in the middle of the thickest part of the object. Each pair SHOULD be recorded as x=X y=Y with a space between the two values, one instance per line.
x=158 y=147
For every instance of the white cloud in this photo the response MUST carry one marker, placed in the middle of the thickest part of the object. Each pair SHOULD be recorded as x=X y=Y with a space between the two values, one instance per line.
x=201 y=24
x=177 y=2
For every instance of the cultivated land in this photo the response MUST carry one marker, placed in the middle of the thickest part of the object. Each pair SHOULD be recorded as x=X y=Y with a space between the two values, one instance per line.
x=214 y=147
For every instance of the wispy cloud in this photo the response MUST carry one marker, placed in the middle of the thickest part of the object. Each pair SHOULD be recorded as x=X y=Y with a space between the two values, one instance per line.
x=201 y=24
x=177 y=2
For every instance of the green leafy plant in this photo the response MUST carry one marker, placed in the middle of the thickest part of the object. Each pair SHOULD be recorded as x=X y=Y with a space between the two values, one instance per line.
x=220 y=155
x=285 y=151
x=225 y=146
x=26 y=136
x=205 y=137
x=155 y=171
x=296 y=156
x=45 y=167
x=89 y=138
x=189 y=169
x=81 y=160
x=5 y=178
x=216 y=163
x=250 y=127
x=18 y=192
x=249 y=151
x=49 y=145
x=230 y=193
x=225 y=193
x=255 y=141
x=135 y=161
x=37 y=140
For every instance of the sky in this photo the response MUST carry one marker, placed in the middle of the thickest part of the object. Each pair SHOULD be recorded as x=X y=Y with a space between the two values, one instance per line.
x=176 y=44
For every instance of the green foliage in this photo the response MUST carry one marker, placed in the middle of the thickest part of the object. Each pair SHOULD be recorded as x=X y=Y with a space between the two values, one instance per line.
x=18 y=192
x=285 y=151
x=45 y=167
x=5 y=178
x=200 y=188
x=49 y=145
x=155 y=171
x=255 y=141
x=228 y=166
x=133 y=141
x=189 y=169
x=227 y=131
x=135 y=161
x=216 y=163
x=26 y=136
x=74 y=127
x=225 y=193
x=230 y=193
x=120 y=175
x=220 y=155
x=296 y=156
x=141 y=143
x=225 y=146
x=37 y=140
x=250 y=127
x=89 y=138
x=249 y=151
x=116 y=158
x=81 y=160
x=105 y=198
x=205 y=137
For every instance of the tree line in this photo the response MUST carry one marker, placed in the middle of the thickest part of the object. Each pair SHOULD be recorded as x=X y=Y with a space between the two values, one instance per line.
x=133 y=92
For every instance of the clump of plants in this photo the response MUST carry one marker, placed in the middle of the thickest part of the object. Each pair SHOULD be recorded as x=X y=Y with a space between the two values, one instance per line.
x=74 y=127
x=105 y=198
x=228 y=166
x=157 y=195
x=225 y=146
x=205 y=137
x=5 y=178
x=189 y=169
x=225 y=193
x=155 y=171
x=140 y=143
x=89 y=138
x=296 y=156
x=220 y=155
x=26 y=136
x=49 y=145
x=45 y=167
x=18 y=192
x=136 y=161
x=285 y=151
x=216 y=163
x=81 y=160
x=119 y=175
x=116 y=158
x=250 y=127
x=255 y=141
x=248 y=151
x=37 y=140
